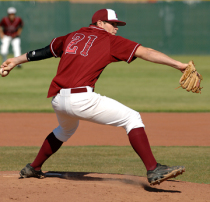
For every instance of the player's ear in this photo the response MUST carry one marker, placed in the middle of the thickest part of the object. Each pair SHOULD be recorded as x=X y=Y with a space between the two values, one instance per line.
x=100 y=23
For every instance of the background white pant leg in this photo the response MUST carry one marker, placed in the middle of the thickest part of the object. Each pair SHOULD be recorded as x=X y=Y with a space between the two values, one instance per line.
x=67 y=123
x=103 y=110
x=16 y=46
x=5 y=44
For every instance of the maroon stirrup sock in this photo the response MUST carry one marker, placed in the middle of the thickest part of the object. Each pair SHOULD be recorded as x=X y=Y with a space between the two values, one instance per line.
x=49 y=147
x=140 y=144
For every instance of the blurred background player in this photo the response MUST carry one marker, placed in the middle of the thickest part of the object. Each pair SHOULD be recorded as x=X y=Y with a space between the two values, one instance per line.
x=10 y=31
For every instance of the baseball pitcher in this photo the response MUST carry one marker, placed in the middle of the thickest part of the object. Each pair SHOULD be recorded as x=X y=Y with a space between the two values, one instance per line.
x=83 y=56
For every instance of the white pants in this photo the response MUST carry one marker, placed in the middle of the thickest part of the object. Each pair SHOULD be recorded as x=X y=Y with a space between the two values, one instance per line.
x=15 y=45
x=90 y=106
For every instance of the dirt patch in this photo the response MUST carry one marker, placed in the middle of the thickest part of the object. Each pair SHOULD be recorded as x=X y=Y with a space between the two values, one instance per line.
x=163 y=129
x=90 y=187
x=25 y=129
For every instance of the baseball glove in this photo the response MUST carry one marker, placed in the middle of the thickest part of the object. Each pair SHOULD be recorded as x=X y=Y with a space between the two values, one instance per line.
x=191 y=79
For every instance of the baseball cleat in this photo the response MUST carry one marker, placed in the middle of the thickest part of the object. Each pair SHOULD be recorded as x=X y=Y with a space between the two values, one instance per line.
x=28 y=171
x=163 y=172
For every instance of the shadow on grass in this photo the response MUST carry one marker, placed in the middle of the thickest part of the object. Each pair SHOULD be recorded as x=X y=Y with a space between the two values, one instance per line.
x=89 y=176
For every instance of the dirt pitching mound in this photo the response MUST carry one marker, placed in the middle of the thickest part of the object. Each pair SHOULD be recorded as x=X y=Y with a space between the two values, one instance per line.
x=71 y=186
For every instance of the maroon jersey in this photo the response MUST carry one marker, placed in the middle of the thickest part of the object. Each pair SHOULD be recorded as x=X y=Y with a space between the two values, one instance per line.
x=84 y=55
x=10 y=28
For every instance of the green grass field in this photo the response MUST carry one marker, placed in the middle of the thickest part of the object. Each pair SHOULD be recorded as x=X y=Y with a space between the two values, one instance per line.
x=112 y=159
x=141 y=85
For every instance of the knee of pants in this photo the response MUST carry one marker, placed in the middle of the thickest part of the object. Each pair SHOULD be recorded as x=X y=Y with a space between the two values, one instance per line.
x=16 y=46
x=5 y=45
x=134 y=121
x=17 y=51
x=64 y=135
x=4 y=51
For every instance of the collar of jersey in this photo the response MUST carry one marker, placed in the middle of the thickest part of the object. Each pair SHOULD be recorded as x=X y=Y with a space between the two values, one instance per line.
x=95 y=27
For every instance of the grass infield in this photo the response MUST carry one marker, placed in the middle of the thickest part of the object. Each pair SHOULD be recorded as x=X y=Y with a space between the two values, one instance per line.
x=112 y=159
x=141 y=85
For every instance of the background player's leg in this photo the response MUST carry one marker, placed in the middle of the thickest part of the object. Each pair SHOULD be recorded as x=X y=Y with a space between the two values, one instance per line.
x=4 y=57
x=5 y=47
x=49 y=147
x=16 y=48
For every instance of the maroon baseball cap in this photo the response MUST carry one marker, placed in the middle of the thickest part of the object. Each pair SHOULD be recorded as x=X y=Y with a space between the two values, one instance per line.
x=108 y=15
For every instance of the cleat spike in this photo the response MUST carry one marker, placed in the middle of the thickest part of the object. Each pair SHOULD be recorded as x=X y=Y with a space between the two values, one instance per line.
x=163 y=172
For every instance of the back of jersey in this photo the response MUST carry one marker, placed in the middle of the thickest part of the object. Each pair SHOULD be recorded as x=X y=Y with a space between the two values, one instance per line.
x=84 y=55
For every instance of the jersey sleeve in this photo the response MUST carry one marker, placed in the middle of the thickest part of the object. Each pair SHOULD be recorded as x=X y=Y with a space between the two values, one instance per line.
x=21 y=23
x=122 y=49
x=2 y=22
x=56 y=46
